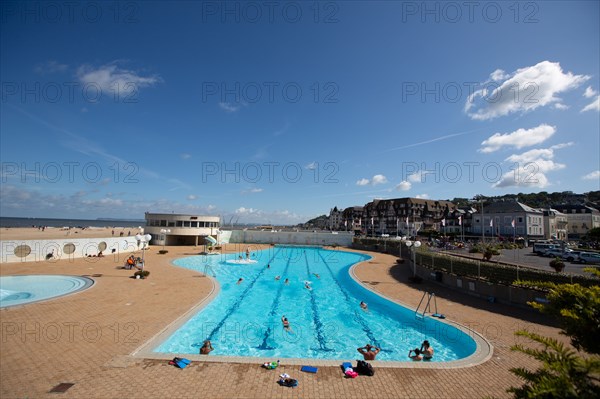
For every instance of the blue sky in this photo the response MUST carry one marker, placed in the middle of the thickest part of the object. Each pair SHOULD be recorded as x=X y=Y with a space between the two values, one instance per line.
x=275 y=113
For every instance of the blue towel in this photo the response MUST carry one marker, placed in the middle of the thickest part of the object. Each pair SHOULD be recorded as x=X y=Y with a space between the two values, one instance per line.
x=345 y=365
x=309 y=369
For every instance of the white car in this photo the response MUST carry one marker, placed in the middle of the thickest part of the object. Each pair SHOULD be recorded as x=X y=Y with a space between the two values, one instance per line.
x=556 y=252
x=589 y=257
x=571 y=256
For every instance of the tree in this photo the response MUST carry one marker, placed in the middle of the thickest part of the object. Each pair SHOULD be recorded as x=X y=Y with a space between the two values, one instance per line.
x=577 y=308
x=593 y=234
x=563 y=374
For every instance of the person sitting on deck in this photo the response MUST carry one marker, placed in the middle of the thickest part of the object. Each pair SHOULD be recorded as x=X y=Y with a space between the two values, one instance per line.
x=130 y=262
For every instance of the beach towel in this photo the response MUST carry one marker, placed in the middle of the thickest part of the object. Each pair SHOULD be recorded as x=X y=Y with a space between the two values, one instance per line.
x=309 y=369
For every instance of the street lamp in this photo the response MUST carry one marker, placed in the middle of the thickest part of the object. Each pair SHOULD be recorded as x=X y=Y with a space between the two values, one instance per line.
x=412 y=246
x=163 y=237
x=144 y=239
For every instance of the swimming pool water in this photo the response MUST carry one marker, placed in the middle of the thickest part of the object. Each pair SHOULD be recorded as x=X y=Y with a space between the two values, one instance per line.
x=326 y=321
x=19 y=290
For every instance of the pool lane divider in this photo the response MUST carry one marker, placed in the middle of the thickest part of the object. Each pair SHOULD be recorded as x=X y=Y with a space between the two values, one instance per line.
x=357 y=316
x=315 y=311
x=237 y=303
x=274 y=308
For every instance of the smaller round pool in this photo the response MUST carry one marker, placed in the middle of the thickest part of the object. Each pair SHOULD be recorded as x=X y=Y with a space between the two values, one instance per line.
x=20 y=290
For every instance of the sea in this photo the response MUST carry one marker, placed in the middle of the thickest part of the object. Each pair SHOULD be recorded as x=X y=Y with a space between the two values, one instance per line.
x=29 y=222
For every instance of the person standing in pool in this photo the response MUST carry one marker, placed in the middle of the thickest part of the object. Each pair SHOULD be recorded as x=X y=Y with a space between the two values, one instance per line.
x=364 y=306
x=367 y=353
x=240 y=281
x=287 y=281
x=206 y=348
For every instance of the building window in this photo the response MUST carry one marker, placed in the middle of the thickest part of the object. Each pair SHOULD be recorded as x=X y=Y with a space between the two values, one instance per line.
x=163 y=223
x=179 y=223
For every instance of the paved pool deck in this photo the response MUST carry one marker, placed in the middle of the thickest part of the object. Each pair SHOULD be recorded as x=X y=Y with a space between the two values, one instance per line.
x=92 y=339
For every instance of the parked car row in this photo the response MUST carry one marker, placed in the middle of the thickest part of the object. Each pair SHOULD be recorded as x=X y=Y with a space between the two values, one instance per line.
x=573 y=256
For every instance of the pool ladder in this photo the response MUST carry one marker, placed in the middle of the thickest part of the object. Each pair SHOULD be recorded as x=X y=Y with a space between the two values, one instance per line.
x=208 y=268
x=427 y=308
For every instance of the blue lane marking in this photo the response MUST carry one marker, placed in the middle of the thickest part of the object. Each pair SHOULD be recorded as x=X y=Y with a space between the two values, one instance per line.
x=274 y=309
x=237 y=303
x=357 y=316
x=315 y=311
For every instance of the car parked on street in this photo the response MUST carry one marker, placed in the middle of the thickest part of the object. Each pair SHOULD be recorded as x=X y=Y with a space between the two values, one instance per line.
x=589 y=257
x=571 y=256
x=555 y=252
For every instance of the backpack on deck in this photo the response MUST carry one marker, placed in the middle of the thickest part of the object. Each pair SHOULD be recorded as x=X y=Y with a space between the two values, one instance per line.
x=364 y=368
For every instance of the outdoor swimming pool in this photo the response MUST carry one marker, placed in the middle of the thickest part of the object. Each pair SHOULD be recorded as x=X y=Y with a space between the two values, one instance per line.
x=20 y=290
x=326 y=321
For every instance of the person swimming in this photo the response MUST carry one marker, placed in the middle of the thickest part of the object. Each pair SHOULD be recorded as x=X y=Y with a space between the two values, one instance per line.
x=286 y=324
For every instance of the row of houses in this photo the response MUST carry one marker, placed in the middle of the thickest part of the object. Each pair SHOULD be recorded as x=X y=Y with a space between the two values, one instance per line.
x=407 y=216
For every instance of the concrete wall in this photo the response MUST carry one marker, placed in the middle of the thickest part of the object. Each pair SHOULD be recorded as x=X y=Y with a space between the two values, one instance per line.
x=287 y=237
x=483 y=289
x=67 y=248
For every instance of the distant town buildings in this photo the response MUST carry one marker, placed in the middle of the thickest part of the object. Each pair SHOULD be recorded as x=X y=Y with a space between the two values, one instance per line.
x=501 y=218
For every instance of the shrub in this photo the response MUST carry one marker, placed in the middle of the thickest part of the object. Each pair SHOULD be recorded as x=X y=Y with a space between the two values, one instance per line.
x=141 y=274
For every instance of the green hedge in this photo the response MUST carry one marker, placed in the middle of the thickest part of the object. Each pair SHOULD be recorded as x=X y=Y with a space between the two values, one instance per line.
x=496 y=273
x=489 y=271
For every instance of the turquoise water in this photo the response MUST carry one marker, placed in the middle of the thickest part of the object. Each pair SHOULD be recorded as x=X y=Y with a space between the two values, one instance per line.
x=20 y=290
x=326 y=321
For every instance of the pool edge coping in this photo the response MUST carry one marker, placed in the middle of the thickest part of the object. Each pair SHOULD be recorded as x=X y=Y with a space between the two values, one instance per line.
x=144 y=351
x=90 y=283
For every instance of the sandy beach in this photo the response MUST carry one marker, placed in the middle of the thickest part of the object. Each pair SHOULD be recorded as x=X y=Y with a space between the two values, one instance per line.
x=33 y=233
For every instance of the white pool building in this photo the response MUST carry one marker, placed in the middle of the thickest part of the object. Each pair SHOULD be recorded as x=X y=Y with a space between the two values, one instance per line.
x=180 y=229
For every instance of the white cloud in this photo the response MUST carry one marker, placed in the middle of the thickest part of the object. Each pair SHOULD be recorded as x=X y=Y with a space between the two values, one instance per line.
x=191 y=197
x=593 y=106
x=529 y=169
x=417 y=177
x=589 y=92
x=561 y=106
x=518 y=139
x=185 y=156
x=253 y=190
x=112 y=79
x=498 y=75
x=404 y=186
x=525 y=90
x=245 y=211
x=229 y=107
x=595 y=175
x=311 y=166
x=422 y=196
x=51 y=66
x=377 y=179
